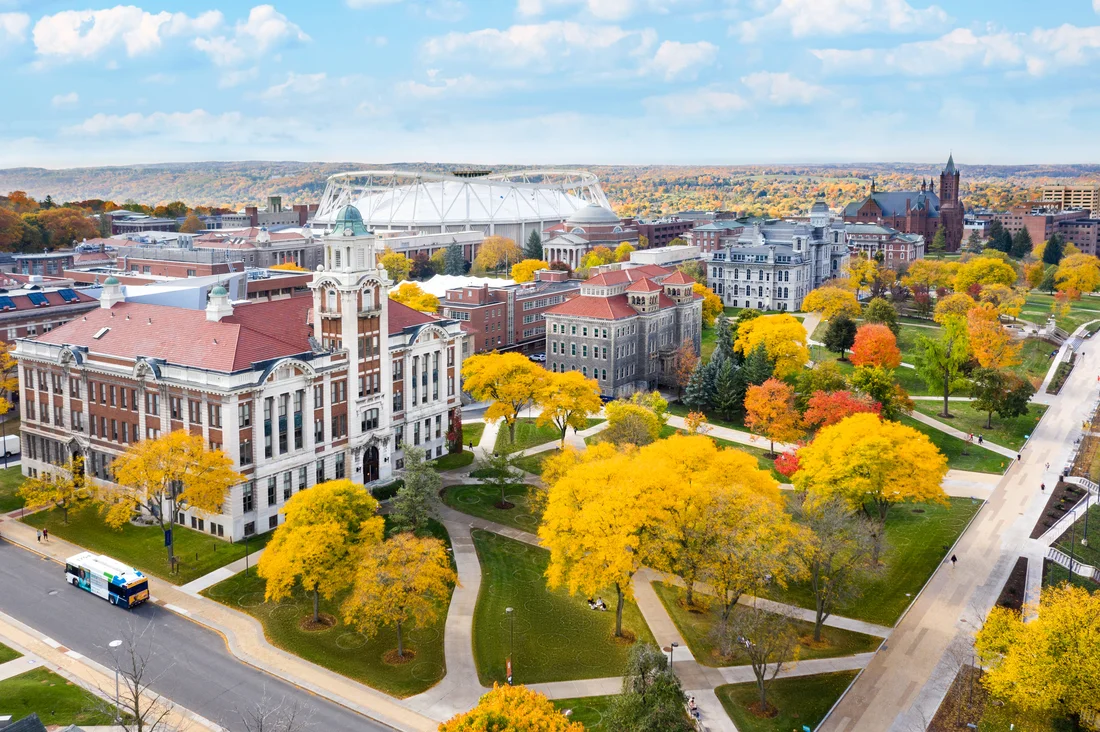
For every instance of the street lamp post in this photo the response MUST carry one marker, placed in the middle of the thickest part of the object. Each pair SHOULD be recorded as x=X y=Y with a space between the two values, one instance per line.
x=511 y=639
x=671 y=652
x=114 y=646
x=1088 y=498
x=1072 y=541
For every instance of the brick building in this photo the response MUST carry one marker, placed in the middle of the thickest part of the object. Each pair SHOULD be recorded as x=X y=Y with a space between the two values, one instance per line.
x=258 y=247
x=587 y=228
x=895 y=248
x=712 y=236
x=625 y=327
x=659 y=232
x=509 y=317
x=295 y=391
x=31 y=311
x=916 y=212
x=1086 y=196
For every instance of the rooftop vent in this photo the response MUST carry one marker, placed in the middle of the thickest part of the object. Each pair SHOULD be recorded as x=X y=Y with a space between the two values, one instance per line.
x=100 y=333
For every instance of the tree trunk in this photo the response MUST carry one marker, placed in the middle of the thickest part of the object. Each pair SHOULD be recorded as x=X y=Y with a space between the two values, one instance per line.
x=619 y=612
x=989 y=422
x=727 y=606
x=512 y=431
x=819 y=620
x=316 y=603
x=64 y=512
x=946 y=393
x=763 y=692
x=400 y=642
x=169 y=535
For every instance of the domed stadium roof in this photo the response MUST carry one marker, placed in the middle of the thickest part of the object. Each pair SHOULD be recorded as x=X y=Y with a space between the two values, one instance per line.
x=593 y=214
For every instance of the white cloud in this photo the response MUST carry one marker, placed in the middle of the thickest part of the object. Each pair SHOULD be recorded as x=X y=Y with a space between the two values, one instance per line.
x=65 y=100
x=197 y=127
x=699 y=104
x=1096 y=5
x=1066 y=45
x=544 y=46
x=782 y=89
x=603 y=9
x=295 y=85
x=265 y=29
x=235 y=77
x=959 y=50
x=840 y=17
x=76 y=34
x=674 y=59
x=466 y=86
x=13 y=27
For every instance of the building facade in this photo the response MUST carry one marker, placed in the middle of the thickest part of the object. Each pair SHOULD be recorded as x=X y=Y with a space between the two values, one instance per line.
x=712 y=236
x=1086 y=196
x=774 y=264
x=590 y=227
x=295 y=391
x=30 y=311
x=625 y=328
x=660 y=232
x=916 y=212
x=258 y=247
x=511 y=317
x=890 y=246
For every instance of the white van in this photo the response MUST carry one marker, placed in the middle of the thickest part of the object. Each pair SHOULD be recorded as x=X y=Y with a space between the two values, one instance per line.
x=11 y=445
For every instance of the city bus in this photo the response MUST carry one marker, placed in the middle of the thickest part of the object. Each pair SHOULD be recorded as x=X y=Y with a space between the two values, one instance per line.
x=102 y=576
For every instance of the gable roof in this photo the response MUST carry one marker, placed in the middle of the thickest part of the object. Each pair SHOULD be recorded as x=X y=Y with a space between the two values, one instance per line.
x=643 y=286
x=678 y=278
x=630 y=274
x=893 y=203
x=615 y=307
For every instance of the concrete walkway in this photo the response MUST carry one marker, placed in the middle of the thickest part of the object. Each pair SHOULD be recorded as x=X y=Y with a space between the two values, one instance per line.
x=731 y=435
x=948 y=429
x=195 y=586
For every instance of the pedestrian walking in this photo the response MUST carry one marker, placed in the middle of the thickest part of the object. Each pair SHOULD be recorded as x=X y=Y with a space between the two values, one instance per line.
x=1048 y=466
x=1018 y=458
x=953 y=560
x=39 y=537
x=981 y=439
x=46 y=534
x=1042 y=487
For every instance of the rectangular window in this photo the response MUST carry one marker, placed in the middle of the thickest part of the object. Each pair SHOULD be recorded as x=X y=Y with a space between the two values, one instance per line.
x=268 y=406
x=340 y=468
x=194 y=411
x=398 y=370
x=215 y=412
x=273 y=521
x=370 y=420
x=321 y=470
x=250 y=527
x=339 y=391
x=303 y=477
x=288 y=485
x=319 y=431
x=284 y=406
x=438 y=426
x=152 y=402
x=112 y=392
x=272 y=491
x=299 y=399
x=319 y=396
x=246 y=452
x=244 y=414
x=175 y=407
x=247 y=498
x=416 y=433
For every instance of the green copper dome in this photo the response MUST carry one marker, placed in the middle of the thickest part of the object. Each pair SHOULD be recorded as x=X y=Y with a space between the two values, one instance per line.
x=349 y=222
x=219 y=291
x=112 y=280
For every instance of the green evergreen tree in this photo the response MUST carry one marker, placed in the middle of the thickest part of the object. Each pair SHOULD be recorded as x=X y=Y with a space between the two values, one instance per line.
x=724 y=334
x=412 y=504
x=939 y=241
x=1005 y=244
x=699 y=392
x=996 y=228
x=533 y=248
x=729 y=390
x=757 y=368
x=453 y=261
x=840 y=334
x=974 y=242
x=1048 y=282
x=1054 y=250
x=881 y=311
x=1021 y=244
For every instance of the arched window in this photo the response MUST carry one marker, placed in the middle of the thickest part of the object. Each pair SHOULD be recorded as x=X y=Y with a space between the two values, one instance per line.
x=332 y=296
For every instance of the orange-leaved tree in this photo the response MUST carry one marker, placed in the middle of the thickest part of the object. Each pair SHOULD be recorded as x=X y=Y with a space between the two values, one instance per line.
x=876 y=345
x=510 y=381
x=770 y=411
x=567 y=400
x=507 y=708
x=315 y=546
x=992 y=345
x=170 y=473
x=824 y=408
x=872 y=464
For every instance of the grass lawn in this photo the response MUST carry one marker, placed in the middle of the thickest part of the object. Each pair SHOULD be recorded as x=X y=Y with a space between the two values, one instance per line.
x=1008 y=433
x=697 y=627
x=528 y=434
x=557 y=637
x=533 y=463
x=1037 y=310
x=143 y=546
x=481 y=500
x=341 y=648
x=907 y=339
x=707 y=343
x=8 y=654
x=918 y=537
x=680 y=409
x=591 y=711
x=1070 y=543
x=472 y=432
x=56 y=700
x=1035 y=361
x=801 y=701
x=450 y=461
x=10 y=480
x=911 y=381
x=977 y=459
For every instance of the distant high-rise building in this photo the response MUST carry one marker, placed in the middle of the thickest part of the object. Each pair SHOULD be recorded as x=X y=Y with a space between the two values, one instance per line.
x=1085 y=195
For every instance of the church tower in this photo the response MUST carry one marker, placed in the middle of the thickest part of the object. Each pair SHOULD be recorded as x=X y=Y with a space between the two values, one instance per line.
x=351 y=316
x=951 y=208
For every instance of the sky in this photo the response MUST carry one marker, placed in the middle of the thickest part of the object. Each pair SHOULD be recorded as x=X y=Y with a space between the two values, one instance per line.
x=549 y=81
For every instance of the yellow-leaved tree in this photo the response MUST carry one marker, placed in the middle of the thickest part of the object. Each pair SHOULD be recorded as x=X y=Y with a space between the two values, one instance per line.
x=512 y=709
x=990 y=342
x=401 y=582
x=413 y=295
x=397 y=266
x=985 y=271
x=783 y=338
x=566 y=401
x=701 y=480
x=288 y=267
x=63 y=488
x=623 y=252
x=770 y=411
x=1050 y=664
x=596 y=515
x=525 y=271
x=635 y=422
x=872 y=464
x=954 y=306
x=1077 y=273
x=9 y=377
x=831 y=300
x=712 y=304
x=170 y=473
x=510 y=380
x=861 y=273
x=497 y=252
x=316 y=545
x=1008 y=300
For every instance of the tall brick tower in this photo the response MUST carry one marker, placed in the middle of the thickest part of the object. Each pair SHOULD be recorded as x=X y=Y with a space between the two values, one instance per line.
x=951 y=208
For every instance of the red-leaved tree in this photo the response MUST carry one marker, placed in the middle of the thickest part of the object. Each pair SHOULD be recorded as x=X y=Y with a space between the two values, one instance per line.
x=876 y=345
x=826 y=408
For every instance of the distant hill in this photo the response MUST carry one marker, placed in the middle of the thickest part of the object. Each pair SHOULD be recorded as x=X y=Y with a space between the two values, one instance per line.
x=633 y=189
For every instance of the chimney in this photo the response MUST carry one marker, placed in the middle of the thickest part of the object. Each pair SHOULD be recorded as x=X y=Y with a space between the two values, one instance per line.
x=218 y=305
x=111 y=294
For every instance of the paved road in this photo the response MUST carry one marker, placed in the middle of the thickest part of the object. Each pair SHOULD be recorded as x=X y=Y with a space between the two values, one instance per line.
x=195 y=670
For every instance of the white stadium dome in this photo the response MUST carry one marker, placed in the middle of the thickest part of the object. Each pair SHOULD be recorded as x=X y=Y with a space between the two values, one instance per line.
x=505 y=204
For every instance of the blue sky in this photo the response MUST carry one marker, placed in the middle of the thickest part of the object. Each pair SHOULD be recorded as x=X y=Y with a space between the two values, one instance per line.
x=549 y=81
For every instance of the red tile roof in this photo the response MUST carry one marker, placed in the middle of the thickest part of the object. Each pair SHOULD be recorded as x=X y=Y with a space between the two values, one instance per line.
x=643 y=286
x=22 y=302
x=601 y=308
x=678 y=278
x=632 y=274
x=402 y=316
x=255 y=332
